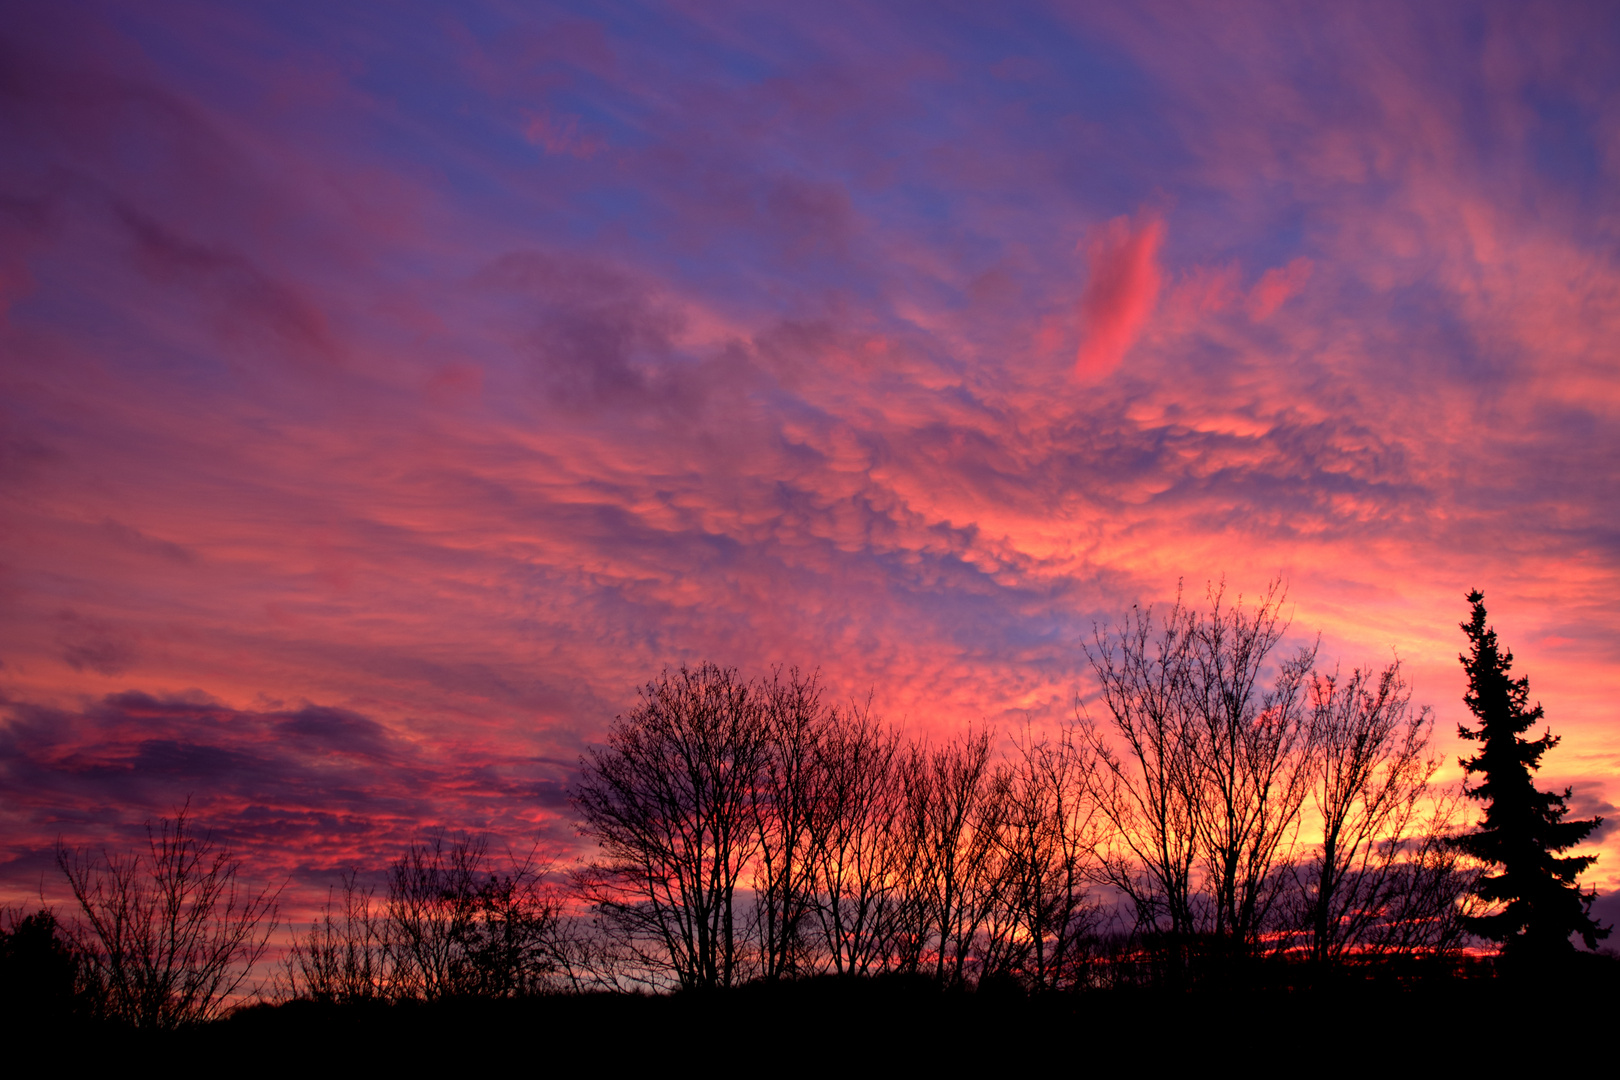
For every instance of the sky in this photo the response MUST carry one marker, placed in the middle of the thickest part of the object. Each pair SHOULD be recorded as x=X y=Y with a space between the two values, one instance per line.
x=388 y=391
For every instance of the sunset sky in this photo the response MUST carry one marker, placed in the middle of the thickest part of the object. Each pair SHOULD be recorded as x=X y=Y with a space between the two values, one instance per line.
x=387 y=390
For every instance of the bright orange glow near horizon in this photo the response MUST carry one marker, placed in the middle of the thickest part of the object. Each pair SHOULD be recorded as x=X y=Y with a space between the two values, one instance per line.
x=386 y=395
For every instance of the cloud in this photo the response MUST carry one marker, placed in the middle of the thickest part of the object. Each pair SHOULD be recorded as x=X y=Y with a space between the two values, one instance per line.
x=293 y=791
x=561 y=135
x=136 y=541
x=783 y=372
x=1276 y=286
x=599 y=336
x=92 y=644
x=1121 y=289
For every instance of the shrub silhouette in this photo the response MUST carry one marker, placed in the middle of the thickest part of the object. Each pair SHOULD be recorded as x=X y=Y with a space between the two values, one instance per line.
x=42 y=975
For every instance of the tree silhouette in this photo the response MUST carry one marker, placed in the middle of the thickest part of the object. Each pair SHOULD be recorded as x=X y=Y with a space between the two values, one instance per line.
x=670 y=802
x=42 y=976
x=857 y=848
x=1524 y=828
x=171 y=938
x=1384 y=878
x=1202 y=779
x=786 y=800
x=346 y=954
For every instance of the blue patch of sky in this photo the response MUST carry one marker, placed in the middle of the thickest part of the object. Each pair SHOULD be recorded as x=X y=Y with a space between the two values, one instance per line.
x=1564 y=148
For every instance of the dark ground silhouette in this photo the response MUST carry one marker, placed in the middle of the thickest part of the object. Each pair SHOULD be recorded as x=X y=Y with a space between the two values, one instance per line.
x=1394 y=1020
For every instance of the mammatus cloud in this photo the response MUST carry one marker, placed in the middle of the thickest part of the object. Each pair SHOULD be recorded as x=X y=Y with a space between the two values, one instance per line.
x=1122 y=287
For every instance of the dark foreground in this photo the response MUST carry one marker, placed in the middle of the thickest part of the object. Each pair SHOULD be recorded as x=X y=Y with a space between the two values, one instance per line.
x=1363 y=1026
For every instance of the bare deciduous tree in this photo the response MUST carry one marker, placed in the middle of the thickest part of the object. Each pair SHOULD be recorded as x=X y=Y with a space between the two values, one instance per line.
x=1048 y=838
x=670 y=801
x=516 y=947
x=1428 y=898
x=855 y=840
x=172 y=935
x=1370 y=773
x=1204 y=772
x=952 y=885
x=432 y=913
x=786 y=805
x=1253 y=755
x=452 y=925
x=1147 y=787
x=346 y=953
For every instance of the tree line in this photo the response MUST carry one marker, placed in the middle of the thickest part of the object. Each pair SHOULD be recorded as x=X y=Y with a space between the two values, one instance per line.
x=1224 y=802
x=1229 y=803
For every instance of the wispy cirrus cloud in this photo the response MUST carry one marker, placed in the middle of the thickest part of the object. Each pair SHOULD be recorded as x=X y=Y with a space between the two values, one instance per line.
x=1122 y=288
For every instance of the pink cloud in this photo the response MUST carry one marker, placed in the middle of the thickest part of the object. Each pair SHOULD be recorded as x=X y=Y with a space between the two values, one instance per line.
x=1120 y=294
x=1199 y=293
x=744 y=423
x=1277 y=286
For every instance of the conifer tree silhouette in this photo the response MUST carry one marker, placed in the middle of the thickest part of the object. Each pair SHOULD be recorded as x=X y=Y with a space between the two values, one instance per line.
x=1524 y=828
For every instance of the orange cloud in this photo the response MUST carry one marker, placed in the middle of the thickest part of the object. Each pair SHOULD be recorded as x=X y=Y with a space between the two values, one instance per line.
x=1120 y=294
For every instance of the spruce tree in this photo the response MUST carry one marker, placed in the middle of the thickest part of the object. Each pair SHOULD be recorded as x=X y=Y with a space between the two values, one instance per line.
x=1538 y=905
